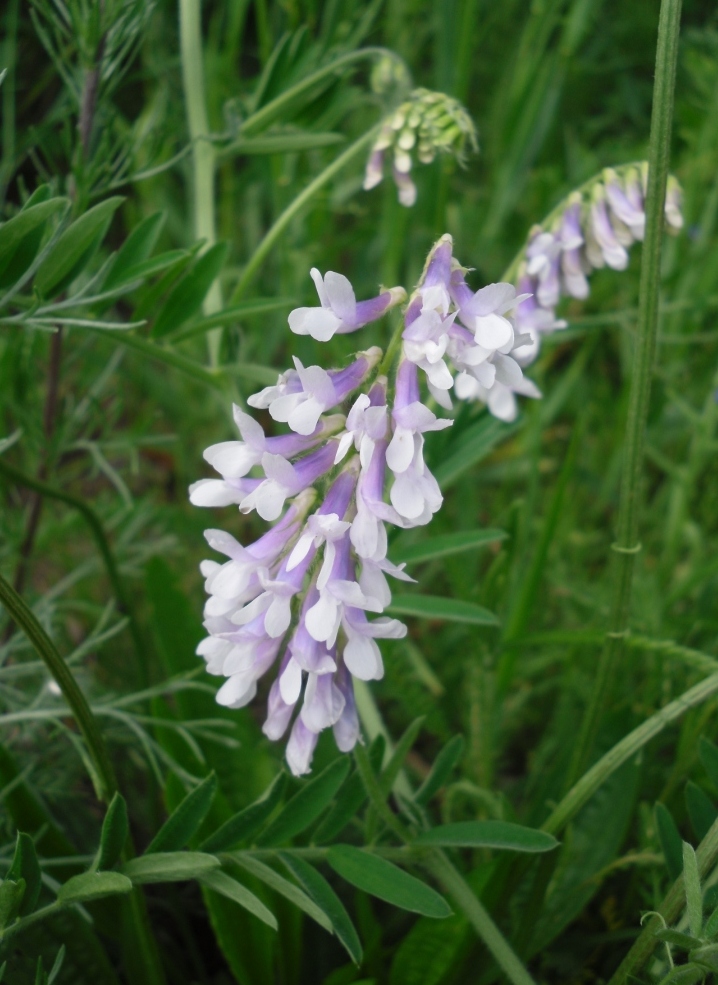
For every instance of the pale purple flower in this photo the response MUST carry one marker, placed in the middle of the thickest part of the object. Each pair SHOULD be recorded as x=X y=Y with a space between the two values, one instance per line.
x=346 y=728
x=221 y=492
x=627 y=207
x=674 y=202
x=542 y=262
x=337 y=589
x=323 y=703
x=366 y=424
x=411 y=419
x=362 y=656
x=499 y=398
x=613 y=253
x=340 y=312
x=284 y=480
x=482 y=312
x=300 y=748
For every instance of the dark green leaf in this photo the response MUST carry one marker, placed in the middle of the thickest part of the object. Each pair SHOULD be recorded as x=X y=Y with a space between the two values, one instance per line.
x=437 y=607
x=327 y=900
x=708 y=753
x=282 y=886
x=281 y=143
x=402 y=750
x=306 y=806
x=685 y=974
x=57 y=965
x=169 y=867
x=114 y=833
x=155 y=265
x=254 y=306
x=93 y=885
x=11 y=894
x=350 y=798
x=74 y=248
x=137 y=248
x=26 y=866
x=489 y=834
x=700 y=810
x=674 y=937
x=474 y=445
x=17 y=230
x=438 y=547
x=670 y=840
x=441 y=770
x=380 y=878
x=694 y=897
x=186 y=820
x=186 y=298
x=244 y=824
x=706 y=955
x=225 y=885
x=711 y=927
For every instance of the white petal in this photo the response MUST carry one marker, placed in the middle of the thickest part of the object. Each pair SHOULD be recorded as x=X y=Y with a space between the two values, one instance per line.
x=406 y=496
x=401 y=450
x=321 y=620
x=363 y=658
x=341 y=295
x=301 y=549
x=303 y=419
x=278 y=617
x=213 y=492
x=492 y=331
x=290 y=683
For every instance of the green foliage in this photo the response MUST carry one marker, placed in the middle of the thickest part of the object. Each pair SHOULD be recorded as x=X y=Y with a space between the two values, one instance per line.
x=115 y=829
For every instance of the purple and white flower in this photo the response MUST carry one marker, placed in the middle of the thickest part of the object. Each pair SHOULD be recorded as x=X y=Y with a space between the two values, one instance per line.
x=339 y=311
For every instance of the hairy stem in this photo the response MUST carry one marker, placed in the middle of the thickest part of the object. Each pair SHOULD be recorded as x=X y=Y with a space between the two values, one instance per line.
x=627 y=545
x=203 y=154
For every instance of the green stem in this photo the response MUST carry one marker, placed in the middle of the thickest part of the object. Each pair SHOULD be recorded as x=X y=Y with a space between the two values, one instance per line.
x=203 y=153
x=103 y=546
x=627 y=544
x=670 y=909
x=293 y=209
x=104 y=778
x=452 y=881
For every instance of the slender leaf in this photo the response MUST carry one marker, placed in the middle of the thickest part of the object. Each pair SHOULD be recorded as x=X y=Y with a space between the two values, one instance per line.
x=437 y=547
x=700 y=810
x=17 y=229
x=306 y=806
x=186 y=298
x=474 y=445
x=692 y=883
x=670 y=840
x=402 y=750
x=324 y=896
x=114 y=833
x=74 y=247
x=225 y=885
x=386 y=881
x=253 y=306
x=678 y=939
x=93 y=885
x=11 y=894
x=25 y=866
x=137 y=247
x=447 y=609
x=282 y=886
x=169 y=867
x=246 y=822
x=708 y=753
x=488 y=834
x=281 y=143
x=350 y=798
x=443 y=766
x=154 y=265
x=186 y=819
x=685 y=974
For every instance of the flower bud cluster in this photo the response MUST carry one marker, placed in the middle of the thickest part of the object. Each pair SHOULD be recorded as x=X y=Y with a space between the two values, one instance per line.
x=426 y=124
x=594 y=228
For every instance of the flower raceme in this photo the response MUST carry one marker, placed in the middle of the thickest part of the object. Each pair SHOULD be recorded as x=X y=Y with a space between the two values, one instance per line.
x=310 y=594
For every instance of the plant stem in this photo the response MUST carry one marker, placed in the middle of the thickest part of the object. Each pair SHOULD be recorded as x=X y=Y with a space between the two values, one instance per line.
x=203 y=154
x=670 y=908
x=293 y=209
x=627 y=544
x=104 y=778
x=42 y=489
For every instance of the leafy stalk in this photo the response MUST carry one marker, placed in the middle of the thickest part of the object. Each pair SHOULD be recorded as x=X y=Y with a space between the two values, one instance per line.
x=627 y=544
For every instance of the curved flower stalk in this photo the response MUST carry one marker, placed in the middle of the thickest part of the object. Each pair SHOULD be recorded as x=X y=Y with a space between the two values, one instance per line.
x=310 y=594
x=594 y=227
x=425 y=124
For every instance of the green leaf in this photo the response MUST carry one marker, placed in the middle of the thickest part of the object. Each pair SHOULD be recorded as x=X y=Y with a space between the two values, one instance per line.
x=114 y=833
x=402 y=750
x=306 y=806
x=327 y=900
x=708 y=753
x=350 y=798
x=225 y=885
x=437 y=547
x=281 y=143
x=694 y=896
x=437 y=607
x=186 y=297
x=474 y=445
x=711 y=927
x=169 y=867
x=74 y=248
x=11 y=894
x=670 y=839
x=26 y=866
x=706 y=955
x=685 y=974
x=677 y=939
x=246 y=822
x=155 y=265
x=57 y=965
x=253 y=306
x=93 y=885
x=282 y=886
x=700 y=810
x=186 y=819
x=380 y=878
x=489 y=834
x=137 y=248
x=441 y=770
x=17 y=230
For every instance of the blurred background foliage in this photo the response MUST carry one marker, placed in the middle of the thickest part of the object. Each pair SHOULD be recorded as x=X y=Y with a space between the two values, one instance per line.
x=558 y=89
